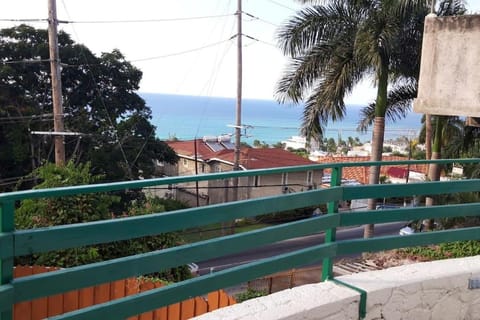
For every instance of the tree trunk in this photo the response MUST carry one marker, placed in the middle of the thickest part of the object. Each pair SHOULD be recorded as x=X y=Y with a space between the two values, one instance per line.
x=434 y=168
x=428 y=136
x=377 y=138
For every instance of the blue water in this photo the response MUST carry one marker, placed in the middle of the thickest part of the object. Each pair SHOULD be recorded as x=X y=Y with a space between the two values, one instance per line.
x=187 y=117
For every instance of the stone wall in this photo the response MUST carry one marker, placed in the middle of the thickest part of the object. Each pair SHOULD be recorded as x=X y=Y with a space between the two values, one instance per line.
x=450 y=67
x=430 y=290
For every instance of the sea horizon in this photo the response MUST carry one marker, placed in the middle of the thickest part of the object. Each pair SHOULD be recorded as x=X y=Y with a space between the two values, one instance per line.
x=187 y=117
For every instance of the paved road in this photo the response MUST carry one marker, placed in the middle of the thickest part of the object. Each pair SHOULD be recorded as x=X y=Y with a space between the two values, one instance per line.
x=291 y=245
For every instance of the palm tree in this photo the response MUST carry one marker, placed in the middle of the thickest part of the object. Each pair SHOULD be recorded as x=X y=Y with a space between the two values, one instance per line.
x=336 y=44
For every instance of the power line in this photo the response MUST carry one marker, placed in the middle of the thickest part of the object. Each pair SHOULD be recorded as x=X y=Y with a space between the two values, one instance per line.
x=102 y=103
x=121 y=21
x=135 y=60
x=260 y=19
x=282 y=5
x=145 y=20
x=25 y=61
x=23 y=20
x=183 y=52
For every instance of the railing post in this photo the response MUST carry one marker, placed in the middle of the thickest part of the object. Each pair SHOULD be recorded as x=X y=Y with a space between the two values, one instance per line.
x=330 y=234
x=7 y=212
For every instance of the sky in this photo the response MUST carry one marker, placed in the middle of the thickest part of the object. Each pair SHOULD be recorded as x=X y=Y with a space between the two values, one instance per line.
x=179 y=55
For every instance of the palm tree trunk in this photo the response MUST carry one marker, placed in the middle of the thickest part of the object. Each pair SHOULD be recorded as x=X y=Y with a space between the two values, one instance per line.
x=434 y=168
x=428 y=136
x=377 y=138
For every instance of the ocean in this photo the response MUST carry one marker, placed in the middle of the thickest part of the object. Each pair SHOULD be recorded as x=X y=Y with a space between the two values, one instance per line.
x=189 y=117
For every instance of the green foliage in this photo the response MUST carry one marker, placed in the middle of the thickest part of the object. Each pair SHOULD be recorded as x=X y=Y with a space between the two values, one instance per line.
x=418 y=154
x=45 y=212
x=299 y=152
x=35 y=213
x=279 y=145
x=100 y=99
x=446 y=250
x=91 y=207
x=331 y=145
x=260 y=144
x=250 y=294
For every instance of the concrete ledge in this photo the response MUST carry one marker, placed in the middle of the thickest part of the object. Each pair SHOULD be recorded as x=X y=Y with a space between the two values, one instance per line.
x=430 y=290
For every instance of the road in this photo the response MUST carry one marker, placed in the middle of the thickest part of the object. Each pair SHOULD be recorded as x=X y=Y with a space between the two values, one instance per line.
x=225 y=262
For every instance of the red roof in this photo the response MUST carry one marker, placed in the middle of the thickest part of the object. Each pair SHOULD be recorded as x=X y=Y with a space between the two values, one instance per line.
x=361 y=173
x=250 y=158
x=395 y=172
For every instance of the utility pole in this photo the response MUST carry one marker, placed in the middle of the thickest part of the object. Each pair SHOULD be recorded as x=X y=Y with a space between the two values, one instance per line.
x=56 y=84
x=238 y=123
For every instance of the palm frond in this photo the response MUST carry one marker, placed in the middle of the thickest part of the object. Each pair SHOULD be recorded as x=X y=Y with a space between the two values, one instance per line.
x=314 y=25
x=398 y=105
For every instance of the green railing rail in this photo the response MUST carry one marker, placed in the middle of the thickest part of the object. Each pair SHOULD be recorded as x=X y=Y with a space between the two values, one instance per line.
x=15 y=243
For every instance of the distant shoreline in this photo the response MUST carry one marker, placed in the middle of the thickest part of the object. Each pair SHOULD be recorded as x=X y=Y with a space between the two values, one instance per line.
x=189 y=117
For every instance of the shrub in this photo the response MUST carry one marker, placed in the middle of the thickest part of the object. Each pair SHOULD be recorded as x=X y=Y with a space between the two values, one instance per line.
x=250 y=294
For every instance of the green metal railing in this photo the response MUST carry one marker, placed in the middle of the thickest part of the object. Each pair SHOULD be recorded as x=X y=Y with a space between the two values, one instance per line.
x=14 y=243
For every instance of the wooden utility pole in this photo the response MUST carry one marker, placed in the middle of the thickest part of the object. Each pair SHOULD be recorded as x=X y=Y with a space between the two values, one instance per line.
x=238 y=117
x=238 y=122
x=56 y=84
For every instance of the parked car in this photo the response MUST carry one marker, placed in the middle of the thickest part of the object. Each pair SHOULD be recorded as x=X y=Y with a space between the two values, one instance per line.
x=193 y=267
x=416 y=226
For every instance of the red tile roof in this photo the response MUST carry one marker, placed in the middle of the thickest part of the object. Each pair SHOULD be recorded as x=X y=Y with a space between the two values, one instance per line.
x=361 y=173
x=250 y=158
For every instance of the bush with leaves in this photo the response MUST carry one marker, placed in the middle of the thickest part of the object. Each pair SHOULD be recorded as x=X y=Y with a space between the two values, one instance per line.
x=250 y=294
x=46 y=212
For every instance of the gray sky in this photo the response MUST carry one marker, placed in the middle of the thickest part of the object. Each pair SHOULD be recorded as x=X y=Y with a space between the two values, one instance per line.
x=168 y=52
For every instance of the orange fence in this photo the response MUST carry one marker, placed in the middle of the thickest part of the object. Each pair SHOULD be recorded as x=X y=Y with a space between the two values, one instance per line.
x=54 y=305
x=286 y=280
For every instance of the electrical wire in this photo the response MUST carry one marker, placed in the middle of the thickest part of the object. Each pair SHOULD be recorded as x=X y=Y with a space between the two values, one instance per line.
x=259 y=19
x=49 y=115
x=134 y=60
x=145 y=20
x=23 y=20
x=182 y=52
x=102 y=101
x=281 y=5
x=24 y=61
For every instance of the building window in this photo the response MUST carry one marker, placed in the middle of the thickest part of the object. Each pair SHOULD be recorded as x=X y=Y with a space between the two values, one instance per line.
x=218 y=168
x=256 y=181
x=185 y=162
x=284 y=178
x=203 y=167
x=309 y=177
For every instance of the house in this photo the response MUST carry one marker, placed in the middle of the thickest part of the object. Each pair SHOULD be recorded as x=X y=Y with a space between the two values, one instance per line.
x=361 y=174
x=399 y=175
x=216 y=154
x=300 y=142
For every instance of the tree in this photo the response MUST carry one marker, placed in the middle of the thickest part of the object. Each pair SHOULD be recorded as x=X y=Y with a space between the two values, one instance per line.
x=335 y=44
x=331 y=145
x=100 y=101
x=260 y=144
